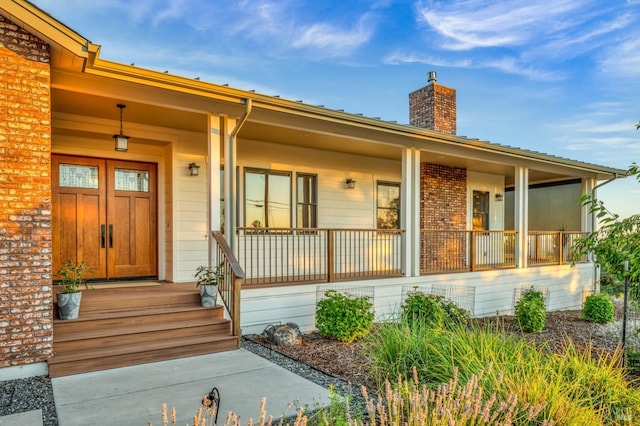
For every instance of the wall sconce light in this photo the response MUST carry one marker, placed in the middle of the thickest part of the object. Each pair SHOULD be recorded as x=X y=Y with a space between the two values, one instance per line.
x=350 y=183
x=194 y=169
x=121 y=140
x=499 y=197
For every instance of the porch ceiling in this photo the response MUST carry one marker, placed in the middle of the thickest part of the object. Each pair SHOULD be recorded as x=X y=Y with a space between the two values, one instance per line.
x=328 y=140
x=76 y=103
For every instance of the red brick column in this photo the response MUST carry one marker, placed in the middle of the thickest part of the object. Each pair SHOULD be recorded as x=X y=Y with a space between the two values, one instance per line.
x=26 y=319
x=443 y=207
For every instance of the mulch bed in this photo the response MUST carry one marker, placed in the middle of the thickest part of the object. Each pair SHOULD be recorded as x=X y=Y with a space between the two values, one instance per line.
x=348 y=362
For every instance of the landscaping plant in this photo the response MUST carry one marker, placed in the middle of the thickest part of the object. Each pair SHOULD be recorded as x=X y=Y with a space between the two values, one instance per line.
x=598 y=308
x=73 y=275
x=432 y=311
x=615 y=242
x=343 y=317
x=530 y=312
x=575 y=388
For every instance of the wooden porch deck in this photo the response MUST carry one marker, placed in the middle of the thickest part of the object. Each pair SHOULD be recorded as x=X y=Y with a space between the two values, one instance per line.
x=136 y=324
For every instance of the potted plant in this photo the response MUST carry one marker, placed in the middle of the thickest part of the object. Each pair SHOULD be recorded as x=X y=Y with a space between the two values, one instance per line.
x=72 y=276
x=208 y=279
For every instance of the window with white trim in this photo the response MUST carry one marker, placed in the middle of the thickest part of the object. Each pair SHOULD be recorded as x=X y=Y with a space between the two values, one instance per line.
x=307 y=200
x=267 y=198
x=388 y=205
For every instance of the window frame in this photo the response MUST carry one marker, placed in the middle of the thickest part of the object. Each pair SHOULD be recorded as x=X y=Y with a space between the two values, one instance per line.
x=311 y=204
x=379 y=208
x=266 y=173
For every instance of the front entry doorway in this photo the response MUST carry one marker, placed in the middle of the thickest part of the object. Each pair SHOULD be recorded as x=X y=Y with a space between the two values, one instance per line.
x=105 y=213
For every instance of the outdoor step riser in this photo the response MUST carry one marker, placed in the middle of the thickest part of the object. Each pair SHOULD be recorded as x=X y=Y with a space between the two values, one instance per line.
x=214 y=324
x=139 y=339
x=116 y=361
x=95 y=303
x=64 y=328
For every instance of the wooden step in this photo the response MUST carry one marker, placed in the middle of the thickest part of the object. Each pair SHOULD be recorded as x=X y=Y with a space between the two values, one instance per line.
x=119 y=327
x=120 y=319
x=139 y=335
x=121 y=356
x=109 y=300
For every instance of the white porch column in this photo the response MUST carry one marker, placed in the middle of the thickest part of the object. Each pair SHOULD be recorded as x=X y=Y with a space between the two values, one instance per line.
x=586 y=218
x=521 y=213
x=230 y=184
x=410 y=211
x=214 y=142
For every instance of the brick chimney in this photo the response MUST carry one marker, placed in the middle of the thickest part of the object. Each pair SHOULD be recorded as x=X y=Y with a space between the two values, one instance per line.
x=433 y=107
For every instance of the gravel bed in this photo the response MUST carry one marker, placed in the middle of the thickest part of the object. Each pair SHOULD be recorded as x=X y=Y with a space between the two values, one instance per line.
x=33 y=393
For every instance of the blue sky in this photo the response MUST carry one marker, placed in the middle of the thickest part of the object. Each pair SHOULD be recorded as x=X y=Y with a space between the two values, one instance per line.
x=558 y=76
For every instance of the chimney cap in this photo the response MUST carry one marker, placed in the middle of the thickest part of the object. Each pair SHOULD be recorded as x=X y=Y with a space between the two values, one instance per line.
x=432 y=77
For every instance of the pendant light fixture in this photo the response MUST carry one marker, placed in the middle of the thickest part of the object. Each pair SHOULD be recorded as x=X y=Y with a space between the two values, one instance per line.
x=122 y=141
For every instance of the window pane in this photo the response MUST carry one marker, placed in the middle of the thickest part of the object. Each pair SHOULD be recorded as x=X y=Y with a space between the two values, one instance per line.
x=306 y=209
x=132 y=180
x=279 y=204
x=254 y=206
x=388 y=205
x=78 y=176
x=388 y=196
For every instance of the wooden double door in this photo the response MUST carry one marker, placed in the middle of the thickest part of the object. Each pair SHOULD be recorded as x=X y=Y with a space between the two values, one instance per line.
x=105 y=213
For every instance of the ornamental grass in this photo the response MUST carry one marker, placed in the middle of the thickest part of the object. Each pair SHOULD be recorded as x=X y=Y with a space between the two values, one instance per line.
x=573 y=387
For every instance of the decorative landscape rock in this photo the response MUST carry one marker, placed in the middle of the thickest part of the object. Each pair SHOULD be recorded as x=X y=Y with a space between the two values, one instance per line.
x=285 y=334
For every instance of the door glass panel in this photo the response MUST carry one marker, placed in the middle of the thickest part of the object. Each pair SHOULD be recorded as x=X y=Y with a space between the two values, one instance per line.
x=78 y=176
x=480 y=211
x=132 y=180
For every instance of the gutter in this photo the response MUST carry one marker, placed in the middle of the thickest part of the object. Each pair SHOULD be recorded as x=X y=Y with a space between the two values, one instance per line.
x=230 y=187
x=243 y=119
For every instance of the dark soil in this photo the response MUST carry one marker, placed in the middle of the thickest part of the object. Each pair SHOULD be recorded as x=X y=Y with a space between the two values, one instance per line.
x=348 y=362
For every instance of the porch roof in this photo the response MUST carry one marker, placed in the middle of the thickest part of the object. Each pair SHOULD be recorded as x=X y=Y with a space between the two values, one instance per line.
x=85 y=84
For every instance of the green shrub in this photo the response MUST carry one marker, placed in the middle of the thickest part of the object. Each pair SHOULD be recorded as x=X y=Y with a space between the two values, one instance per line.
x=432 y=311
x=344 y=318
x=531 y=315
x=453 y=314
x=423 y=309
x=598 y=308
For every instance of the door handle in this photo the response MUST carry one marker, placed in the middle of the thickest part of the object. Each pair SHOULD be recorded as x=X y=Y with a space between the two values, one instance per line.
x=103 y=237
x=110 y=236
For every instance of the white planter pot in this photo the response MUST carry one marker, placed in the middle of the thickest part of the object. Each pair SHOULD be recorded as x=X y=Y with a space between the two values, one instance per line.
x=69 y=305
x=208 y=295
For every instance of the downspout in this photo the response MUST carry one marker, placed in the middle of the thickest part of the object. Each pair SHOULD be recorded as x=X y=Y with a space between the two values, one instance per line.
x=596 y=275
x=230 y=188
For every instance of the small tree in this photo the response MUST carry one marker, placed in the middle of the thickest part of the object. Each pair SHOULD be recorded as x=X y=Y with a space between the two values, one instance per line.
x=617 y=240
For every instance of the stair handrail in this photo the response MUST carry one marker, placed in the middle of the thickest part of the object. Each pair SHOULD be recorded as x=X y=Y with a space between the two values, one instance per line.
x=233 y=274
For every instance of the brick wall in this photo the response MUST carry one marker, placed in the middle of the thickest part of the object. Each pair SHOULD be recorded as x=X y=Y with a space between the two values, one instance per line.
x=25 y=192
x=443 y=207
x=433 y=107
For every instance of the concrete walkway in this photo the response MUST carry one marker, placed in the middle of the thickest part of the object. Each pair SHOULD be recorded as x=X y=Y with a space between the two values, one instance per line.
x=134 y=395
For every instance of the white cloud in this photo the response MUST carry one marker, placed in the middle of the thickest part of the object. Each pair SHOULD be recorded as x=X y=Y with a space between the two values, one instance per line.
x=470 y=24
x=508 y=65
x=623 y=57
x=409 y=58
x=534 y=36
x=332 y=40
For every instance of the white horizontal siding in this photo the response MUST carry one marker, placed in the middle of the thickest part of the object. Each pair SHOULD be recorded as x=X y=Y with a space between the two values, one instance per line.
x=493 y=294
